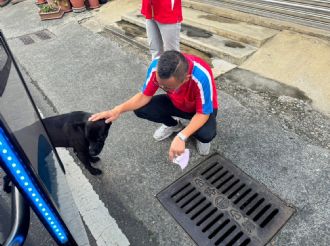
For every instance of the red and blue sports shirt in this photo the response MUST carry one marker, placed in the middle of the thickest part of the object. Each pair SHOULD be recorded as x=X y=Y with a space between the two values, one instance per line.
x=198 y=94
x=163 y=11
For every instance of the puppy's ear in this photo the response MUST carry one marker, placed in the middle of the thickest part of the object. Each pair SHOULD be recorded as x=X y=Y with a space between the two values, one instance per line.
x=107 y=125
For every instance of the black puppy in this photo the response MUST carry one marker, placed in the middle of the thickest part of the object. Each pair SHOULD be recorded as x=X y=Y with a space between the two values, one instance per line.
x=85 y=137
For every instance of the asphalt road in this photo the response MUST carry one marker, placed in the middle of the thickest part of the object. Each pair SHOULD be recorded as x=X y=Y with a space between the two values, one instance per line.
x=268 y=130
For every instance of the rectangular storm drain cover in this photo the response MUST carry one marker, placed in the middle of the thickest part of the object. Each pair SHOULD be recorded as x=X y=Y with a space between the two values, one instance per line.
x=218 y=204
x=26 y=39
x=43 y=35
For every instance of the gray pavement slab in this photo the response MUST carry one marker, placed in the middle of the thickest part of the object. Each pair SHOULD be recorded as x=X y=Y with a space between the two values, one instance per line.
x=23 y=18
x=86 y=71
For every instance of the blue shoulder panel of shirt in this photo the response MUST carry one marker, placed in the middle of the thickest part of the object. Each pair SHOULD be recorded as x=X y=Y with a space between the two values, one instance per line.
x=152 y=67
x=205 y=82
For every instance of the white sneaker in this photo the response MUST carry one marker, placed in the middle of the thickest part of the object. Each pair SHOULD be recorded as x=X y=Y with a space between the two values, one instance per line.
x=165 y=131
x=203 y=148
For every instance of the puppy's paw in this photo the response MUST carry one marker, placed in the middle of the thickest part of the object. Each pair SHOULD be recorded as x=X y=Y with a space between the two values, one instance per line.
x=95 y=171
x=7 y=188
x=6 y=184
x=94 y=159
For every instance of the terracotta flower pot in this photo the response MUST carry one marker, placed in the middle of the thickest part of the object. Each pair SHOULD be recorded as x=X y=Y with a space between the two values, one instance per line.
x=93 y=4
x=65 y=5
x=56 y=14
x=3 y=2
x=78 y=5
x=38 y=2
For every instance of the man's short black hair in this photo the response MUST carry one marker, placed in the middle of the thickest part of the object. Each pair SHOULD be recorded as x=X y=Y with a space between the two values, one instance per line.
x=172 y=63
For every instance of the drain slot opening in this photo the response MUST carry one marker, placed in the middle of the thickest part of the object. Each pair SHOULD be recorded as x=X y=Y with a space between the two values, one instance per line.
x=246 y=242
x=206 y=216
x=208 y=169
x=180 y=190
x=218 y=178
x=224 y=182
x=219 y=228
x=261 y=212
x=196 y=205
x=242 y=196
x=227 y=233
x=200 y=211
x=215 y=172
x=269 y=218
x=190 y=200
x=208 y=226
x=236 y=191
x=232 y=185
x=185 y=194
x=248 y=201
x=237 y=236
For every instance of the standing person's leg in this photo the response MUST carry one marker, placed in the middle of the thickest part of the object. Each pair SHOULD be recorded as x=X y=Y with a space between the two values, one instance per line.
x=154 y=38
x=170 y=35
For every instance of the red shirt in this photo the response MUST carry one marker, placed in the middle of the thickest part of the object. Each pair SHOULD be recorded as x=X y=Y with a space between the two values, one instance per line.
x=198 y=94
x=163 y=11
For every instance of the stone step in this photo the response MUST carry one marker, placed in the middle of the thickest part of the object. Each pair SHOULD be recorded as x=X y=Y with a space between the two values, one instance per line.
x=299 y=10
x=262 y=17
x=229 y=28
x=224 y=48
x=136 y=36
x=321 y=3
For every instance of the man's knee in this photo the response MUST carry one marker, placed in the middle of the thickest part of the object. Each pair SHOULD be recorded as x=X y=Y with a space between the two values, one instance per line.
x=205 y=135
x=141 y=113
x=207 y=132
x=147 y=112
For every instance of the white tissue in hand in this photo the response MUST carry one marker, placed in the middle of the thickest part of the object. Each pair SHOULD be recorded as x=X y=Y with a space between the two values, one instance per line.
x=182 y=160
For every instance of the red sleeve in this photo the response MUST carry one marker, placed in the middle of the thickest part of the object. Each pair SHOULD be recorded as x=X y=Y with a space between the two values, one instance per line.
x=149 y=88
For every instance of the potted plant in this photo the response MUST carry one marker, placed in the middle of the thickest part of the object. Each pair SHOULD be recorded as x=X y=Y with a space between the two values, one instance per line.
x=39 y=2
x=50 y=12
x=3 y=2
x=78 y=6
x=93 y=4
x=64 y=4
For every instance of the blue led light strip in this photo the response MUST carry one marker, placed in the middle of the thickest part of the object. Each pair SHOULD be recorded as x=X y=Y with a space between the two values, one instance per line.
x=18 y=171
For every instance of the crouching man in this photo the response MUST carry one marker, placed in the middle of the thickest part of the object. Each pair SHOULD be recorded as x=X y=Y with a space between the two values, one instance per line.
x=190 y=93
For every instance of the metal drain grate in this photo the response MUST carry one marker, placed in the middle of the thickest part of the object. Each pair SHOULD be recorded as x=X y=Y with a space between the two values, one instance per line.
x=217 y=204
x=26 y=39
x=43 y=35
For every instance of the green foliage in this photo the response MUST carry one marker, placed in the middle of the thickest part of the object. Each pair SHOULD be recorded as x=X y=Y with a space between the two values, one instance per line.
x=47 y=8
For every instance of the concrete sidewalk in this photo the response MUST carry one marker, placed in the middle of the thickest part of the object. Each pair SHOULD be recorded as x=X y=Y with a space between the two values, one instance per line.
x=297 y=60
x=78 y=69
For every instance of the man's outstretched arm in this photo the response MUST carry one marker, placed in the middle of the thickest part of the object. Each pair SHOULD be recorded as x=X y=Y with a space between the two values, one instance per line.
x=135 y=102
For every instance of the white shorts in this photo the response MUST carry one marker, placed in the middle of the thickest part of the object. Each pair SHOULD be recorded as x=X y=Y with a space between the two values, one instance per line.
x=162 y=37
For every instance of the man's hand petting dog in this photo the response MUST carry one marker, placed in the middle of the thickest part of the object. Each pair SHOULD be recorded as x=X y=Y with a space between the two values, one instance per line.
x=73 y=130
x=108 y=116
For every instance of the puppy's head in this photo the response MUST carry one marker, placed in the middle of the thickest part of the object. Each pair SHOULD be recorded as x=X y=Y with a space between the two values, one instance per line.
x=96 y=133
